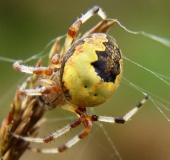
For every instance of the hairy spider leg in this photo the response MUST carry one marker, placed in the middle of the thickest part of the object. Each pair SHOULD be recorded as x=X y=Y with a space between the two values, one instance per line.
x=86 y=120
x=38 y=70
x=82 y=119
x=18 y=66
x=77 y=24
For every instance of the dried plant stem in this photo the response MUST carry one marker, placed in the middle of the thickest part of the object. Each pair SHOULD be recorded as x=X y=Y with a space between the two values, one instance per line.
x=23 y=118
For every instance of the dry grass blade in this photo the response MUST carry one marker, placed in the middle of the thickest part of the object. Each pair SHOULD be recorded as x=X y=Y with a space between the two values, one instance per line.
x=23 y=118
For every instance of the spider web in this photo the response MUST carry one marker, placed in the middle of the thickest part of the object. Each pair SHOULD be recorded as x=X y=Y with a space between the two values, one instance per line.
x=101 y=141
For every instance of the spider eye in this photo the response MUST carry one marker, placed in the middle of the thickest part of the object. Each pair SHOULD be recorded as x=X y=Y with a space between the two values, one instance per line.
x=91 y=70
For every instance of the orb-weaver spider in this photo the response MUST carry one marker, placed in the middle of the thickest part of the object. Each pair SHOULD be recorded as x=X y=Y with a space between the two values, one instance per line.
x=86 y=73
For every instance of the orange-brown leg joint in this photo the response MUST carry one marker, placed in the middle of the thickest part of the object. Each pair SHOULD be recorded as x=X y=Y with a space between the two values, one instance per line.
x=86 y=131
x=73 y=30
x=62 y=148
x=47 y=71
x=48 y=139
x=51 y=89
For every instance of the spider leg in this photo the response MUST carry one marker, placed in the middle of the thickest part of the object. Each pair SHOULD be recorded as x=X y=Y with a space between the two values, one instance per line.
x=47 y=86
x=86 y=120
x=106 y=26
x=58 y=133
x=68 y=144
x=18 y=66
x=39 y=91
x=82 y=119
x=54 y=56
x=101 y=27
x=77 y=24
x=123 y=119
x=55 y=48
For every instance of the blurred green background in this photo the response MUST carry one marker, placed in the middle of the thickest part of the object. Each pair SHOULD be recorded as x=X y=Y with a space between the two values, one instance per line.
x=27 y=26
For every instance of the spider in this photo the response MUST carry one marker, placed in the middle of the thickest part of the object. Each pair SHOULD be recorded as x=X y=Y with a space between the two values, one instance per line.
x=86 y=73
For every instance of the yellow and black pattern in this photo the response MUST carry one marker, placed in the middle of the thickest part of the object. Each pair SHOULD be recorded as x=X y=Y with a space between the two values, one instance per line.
x=91 y=70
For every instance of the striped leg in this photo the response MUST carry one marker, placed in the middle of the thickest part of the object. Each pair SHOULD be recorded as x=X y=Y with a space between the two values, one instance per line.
x=87 y=124
x=48 y=86
x=69 y=144
x=101 y=27
x=77 y=24
x=39 y=91
x=18 y=66
x=123 y=119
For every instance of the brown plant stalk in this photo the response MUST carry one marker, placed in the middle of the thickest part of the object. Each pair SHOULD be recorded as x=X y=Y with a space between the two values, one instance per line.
x=23 y=118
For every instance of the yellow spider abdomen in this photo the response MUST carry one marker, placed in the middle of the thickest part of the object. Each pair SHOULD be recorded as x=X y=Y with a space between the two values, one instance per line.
x=91 y=70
